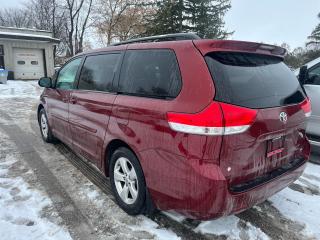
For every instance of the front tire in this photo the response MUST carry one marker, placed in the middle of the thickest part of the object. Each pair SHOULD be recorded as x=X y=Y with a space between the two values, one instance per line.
x=127 y=181
x=45 y=129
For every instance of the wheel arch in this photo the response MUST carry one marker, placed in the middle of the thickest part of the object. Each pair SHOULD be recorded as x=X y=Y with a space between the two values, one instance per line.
x=150 y=207
x=109 y=150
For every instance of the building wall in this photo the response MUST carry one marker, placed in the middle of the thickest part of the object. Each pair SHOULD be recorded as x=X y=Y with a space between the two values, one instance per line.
x=9 y=44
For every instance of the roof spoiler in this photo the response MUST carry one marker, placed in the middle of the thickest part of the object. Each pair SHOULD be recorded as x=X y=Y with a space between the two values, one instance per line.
x=206 y=46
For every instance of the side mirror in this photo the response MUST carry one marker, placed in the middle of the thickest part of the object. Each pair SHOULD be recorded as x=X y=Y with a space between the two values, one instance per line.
x=303 y=75
x=45 y=82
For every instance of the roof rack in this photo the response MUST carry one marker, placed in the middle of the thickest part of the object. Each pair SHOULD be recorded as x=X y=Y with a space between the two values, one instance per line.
x=161 y=38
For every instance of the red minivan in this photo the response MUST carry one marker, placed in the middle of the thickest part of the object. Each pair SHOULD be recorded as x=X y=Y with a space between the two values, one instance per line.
x=203 y=127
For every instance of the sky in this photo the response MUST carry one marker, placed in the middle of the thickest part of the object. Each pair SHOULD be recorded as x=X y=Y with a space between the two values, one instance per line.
x=269 y=21
x=273 y=21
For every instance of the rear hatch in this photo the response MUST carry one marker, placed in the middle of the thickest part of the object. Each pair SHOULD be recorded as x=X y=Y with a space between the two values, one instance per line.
x=275 y=140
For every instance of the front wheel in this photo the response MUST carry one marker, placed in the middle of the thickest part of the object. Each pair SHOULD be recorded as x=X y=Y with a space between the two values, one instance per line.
x=127 y=181
x=45 y=129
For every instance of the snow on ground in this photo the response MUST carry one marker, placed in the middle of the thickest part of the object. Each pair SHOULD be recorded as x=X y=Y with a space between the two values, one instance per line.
x=140 y=223
x=152 y=227
x=21 y=219
x=175 y=216
x=21 y=89
x=301 y=207
x=230 y=227
x=21 y=206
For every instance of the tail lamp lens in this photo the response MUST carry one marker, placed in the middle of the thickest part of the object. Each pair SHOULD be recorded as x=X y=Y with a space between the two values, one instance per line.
x=306 y=107
x=216 y=119
x=237 y=119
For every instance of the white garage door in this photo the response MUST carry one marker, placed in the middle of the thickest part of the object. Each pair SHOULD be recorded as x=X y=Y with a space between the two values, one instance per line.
x=28 y=63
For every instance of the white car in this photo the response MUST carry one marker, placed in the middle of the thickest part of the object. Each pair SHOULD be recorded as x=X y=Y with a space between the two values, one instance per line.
x=309 y=76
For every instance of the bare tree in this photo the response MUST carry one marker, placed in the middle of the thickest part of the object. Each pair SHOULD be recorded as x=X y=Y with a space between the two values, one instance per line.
x=120 y=19
x=81 y=26
x=48 y=15
x=78 y=15
x=13 y=17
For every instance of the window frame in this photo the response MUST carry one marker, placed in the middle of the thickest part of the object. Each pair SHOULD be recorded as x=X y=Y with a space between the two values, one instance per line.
x=150 y=96
x=115 y=77
x=77 y=74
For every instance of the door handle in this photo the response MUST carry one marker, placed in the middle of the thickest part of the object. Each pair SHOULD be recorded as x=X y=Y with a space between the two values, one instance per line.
x=122 y=115
x=73 y=100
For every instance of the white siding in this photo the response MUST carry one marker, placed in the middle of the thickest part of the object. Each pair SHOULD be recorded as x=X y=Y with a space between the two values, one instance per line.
x=9 y=44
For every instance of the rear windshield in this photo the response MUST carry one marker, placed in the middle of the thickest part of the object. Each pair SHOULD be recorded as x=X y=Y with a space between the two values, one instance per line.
x=253 y=81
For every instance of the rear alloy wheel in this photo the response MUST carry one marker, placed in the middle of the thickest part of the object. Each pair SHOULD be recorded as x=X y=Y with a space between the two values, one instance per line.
x=127 y=181
x=44 y=126
x=45 y=130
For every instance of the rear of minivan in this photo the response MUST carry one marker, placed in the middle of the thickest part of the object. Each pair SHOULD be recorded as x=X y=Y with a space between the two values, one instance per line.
x=259 y=110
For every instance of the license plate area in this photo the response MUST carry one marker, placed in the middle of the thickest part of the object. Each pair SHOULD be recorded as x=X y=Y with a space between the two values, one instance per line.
x=275 y=147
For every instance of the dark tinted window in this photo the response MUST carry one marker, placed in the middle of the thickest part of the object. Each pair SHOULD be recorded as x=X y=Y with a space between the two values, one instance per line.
x=152 y=73
x=254 y=81
x=98 y=71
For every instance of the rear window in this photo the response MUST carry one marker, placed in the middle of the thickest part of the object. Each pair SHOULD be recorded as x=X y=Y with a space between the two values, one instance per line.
x=253 y=81
x=150 y=73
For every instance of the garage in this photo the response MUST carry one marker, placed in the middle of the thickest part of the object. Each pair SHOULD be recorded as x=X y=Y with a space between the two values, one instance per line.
x=27 y=54
x=28 y=63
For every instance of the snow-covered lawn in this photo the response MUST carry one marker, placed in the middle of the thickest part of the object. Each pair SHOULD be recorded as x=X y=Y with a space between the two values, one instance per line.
x=20 y=89
x=22 y=204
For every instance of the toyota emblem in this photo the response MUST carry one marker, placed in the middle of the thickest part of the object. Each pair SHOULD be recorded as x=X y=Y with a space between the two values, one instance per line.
x=283 y=117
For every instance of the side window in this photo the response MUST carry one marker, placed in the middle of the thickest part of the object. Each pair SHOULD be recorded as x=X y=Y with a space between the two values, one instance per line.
x=151 y=73
x=314 y=76
x=67 y=74
x=98 y=72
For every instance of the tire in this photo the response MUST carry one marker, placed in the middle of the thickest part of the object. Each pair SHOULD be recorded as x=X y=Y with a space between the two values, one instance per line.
x=46 y=132
x=122 y=177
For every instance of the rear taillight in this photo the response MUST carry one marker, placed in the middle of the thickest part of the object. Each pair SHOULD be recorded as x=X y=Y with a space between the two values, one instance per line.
x=207 y=122
x=306 y=107
x=237 y=119
x=216 y=119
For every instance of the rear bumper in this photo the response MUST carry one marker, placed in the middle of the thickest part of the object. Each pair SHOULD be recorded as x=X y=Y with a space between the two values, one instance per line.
x=208 y=195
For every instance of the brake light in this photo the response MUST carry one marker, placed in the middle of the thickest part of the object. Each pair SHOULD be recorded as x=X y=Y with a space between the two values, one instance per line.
x=206 y=122
x=216 y=119
x=237 y=119
x=306 y=107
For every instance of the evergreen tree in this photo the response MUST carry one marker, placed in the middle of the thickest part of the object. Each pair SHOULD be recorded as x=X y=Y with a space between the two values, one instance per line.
x=167 y=18
x=204 y=17
x=315 y=35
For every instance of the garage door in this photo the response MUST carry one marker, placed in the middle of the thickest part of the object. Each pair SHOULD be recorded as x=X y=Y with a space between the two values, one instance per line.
x=28 y=63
